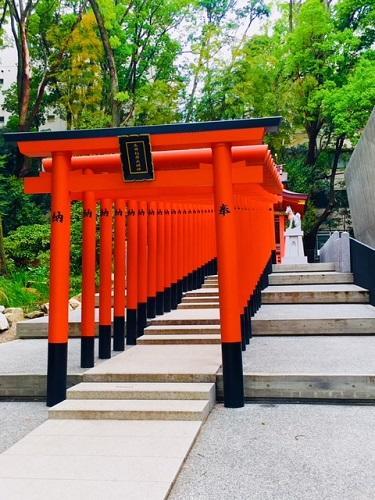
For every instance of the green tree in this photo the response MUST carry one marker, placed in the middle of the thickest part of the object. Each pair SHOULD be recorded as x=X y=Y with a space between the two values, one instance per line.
x=219 y=21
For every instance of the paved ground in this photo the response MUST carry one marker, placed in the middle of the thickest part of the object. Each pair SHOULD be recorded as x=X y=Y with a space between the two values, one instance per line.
x=319 y=355
x=262 y=451
x=30 y=356
x=17 y=420
x=282 y=452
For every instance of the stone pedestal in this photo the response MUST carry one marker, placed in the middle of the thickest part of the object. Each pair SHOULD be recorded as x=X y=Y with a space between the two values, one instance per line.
x=294 y=253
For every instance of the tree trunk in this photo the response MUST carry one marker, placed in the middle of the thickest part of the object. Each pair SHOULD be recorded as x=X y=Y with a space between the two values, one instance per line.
x=290 y=16
x=3 y=266
x=190 y=104
x=310 y=237
x=25 y=78
x=312 y=130
x=115 y=105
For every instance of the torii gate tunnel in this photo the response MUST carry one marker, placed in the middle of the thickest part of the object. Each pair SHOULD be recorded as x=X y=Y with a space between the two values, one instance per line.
x=208 y=208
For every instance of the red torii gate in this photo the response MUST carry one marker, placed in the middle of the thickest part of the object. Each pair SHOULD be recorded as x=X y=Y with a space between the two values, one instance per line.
x=198 y=166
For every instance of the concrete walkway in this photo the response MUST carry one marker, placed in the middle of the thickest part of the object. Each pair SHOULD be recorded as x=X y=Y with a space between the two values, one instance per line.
x=96 y=456
x=126 y=431
x=282 y=452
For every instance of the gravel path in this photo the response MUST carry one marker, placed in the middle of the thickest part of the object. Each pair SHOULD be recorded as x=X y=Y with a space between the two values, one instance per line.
x=18 y=419
x=282 y=452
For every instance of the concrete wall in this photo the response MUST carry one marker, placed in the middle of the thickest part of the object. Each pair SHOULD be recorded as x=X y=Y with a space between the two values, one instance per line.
x=337 y=249
x=360 y=184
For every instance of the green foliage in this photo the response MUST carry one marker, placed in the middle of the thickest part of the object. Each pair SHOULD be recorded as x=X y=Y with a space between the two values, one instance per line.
x=16 y=207
x=348 y=107
x=25 y=244
x=25 y=288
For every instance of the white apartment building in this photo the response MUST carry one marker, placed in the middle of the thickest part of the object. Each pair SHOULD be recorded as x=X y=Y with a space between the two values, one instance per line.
x=8 y=76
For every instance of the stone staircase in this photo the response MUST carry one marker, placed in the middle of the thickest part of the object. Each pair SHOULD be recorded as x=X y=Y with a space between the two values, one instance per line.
x=313 y=299
x=136 y=401
x=196 y=320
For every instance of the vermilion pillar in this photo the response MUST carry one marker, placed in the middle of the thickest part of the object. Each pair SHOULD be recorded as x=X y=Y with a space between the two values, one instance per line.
x=58 y=326
x=174 y=258
x=142 y=268
x=180 y=252
x=132 y=274
x=167 y=257
x=160 y=260
x=151 y=259
x=88 y=279
x=185 y=250
x=119 y=280
x=105 y=289
x=228 y=279
x=190 y=247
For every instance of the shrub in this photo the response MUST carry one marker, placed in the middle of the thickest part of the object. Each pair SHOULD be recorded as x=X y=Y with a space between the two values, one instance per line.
x=25 y=245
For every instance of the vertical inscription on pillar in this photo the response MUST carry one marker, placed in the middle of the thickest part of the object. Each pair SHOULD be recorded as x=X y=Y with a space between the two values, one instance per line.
x=57 y=216
x=136 y=157
x=224 y=210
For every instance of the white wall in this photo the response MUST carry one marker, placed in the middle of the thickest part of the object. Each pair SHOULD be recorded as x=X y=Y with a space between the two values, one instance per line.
x=8 y=75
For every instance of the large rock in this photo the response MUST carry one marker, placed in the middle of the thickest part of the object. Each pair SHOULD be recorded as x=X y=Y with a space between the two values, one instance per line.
x=14 y=314
x=74 y=304
x=34 y=314
x=4 y=325
x=45 y=308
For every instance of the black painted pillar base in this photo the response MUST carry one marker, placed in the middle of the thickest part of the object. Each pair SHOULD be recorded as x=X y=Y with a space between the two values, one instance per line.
x=195 y=280
x=185 y=284
x=190 y=282
x=105 y=332
x=159 y=303
x=167 y=300
x=87 y=352
x=248 y=316
x=214 y=266
x=56 y=373
x=141 y=318
x=174 y=296
x=151 y=307
x=180 y=290
x=273 y=257
x=243 y=332
x=233 y=375
x=131 y=326
x=119 y=333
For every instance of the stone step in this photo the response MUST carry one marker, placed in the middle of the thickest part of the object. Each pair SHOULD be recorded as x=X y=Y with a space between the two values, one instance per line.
x=210 y=284
x=310 y=294
x=310 y=278
x=203 y=292
x=188 y=317
x=314 y=319
x=139 y=409
x=198 y=305
x=142 y=390
x=183 y=330
x=297 y=268
x=306 y=386
x=187 y=300
x=179 y=339
x=38 y=327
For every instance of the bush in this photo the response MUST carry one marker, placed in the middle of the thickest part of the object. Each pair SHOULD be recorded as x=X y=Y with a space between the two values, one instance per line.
x=25 y=245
